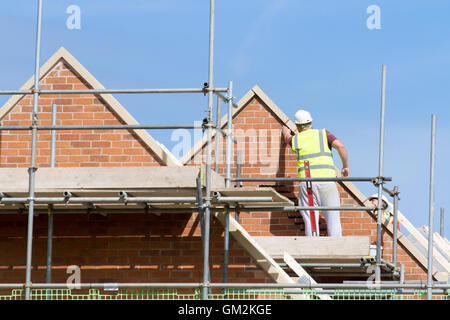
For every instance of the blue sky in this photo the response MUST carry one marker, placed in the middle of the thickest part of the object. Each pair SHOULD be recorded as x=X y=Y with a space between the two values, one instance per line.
x=314 y=54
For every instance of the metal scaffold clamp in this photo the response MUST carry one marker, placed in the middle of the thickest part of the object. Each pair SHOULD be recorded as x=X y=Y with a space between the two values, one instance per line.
x=67 y=195
x=378 y=181
x=123 y=197
x=207 y=124
x=205 y=88
x=34 y=169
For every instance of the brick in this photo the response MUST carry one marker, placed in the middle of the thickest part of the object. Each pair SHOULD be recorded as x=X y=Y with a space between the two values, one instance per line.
x=55 y=80
x=98 y=158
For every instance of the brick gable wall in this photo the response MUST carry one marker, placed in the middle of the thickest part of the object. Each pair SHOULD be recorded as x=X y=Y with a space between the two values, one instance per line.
x=74 y=148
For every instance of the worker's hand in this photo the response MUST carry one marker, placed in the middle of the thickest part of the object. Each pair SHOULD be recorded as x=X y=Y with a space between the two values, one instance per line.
x=286 y=131
x=345 y=172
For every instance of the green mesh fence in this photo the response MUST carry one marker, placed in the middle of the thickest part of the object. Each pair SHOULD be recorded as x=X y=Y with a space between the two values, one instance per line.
x=390 y=294
x=97 y=294
x=225 y=294
x=248 y=294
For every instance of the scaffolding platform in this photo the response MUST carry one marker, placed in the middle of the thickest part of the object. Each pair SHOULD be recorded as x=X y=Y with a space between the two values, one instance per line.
x=148 y=183
x=323 y=256
x=347 y=249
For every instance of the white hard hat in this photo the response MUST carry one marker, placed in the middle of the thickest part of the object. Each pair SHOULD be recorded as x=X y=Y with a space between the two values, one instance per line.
x=302 y=117
x=386 y=204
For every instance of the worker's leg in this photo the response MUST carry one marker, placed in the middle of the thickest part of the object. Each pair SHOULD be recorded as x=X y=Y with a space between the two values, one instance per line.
x=329 y=197
x=303 y=201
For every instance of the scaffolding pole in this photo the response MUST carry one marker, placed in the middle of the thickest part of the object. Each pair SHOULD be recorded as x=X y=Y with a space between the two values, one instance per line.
x=69 y=199
x=395 y=231
x=112 y=91
x=32 y=169
x=115 y=285
x=298 y=179
x=218 y=137
x=380 y=173
x=431 y=207
x=50 y=207
x=206 y=272
x=103 y=127
x=229 y=133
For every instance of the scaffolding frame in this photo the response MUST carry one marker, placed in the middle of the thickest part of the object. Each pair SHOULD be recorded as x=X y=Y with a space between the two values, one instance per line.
x=204 y=202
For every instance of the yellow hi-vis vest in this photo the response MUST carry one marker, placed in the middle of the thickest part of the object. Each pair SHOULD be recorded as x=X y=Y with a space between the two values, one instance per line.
x=312 y=145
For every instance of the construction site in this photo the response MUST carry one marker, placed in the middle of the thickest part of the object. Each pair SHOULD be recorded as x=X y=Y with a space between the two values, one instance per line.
x=92 y=207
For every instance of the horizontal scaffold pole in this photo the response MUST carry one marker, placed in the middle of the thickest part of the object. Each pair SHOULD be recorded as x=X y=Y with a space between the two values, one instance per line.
x=268 y=208
x=71 y=199
x=362 y=285
x=224 y=98
x=311 y=179
x=112 y=91
x=104 y=127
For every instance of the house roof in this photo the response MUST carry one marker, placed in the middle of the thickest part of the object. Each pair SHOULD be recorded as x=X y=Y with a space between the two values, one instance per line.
x=62 y=54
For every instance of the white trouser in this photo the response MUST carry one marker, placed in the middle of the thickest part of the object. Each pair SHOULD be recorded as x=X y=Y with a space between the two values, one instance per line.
x=325 y=194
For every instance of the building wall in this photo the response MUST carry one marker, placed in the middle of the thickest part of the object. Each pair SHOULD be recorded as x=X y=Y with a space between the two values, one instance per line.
x=146 y=247
x=118 y=248
x=74 y=148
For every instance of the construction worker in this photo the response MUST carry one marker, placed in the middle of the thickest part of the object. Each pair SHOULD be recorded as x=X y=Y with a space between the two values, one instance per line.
x=315 y=146
x=387 y=208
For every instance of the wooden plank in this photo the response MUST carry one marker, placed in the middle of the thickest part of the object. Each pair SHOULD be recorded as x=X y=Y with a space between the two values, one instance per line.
x=423 y=241
x=304 y=277
x=439 y=242
x=16 y=179
x=441 y=251
x=445 y=246
x=328 y=249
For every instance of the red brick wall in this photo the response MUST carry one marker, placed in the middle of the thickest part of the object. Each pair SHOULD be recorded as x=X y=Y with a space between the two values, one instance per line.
x=74 y=148
x=119 y=248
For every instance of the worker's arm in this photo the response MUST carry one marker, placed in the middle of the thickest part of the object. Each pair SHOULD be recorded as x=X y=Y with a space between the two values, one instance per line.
x=339 y=146
x=286 y=134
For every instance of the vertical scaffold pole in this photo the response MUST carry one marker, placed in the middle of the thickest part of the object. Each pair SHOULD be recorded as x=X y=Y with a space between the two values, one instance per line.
x=218 y=136
x=50 y=208
x=226 y=245
x=431 y=208
x=207 y=211
x=395 y=231
x=229 y=134
x=380 y=174
x=238 y=175
x=441 y=231
x=32 y=169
